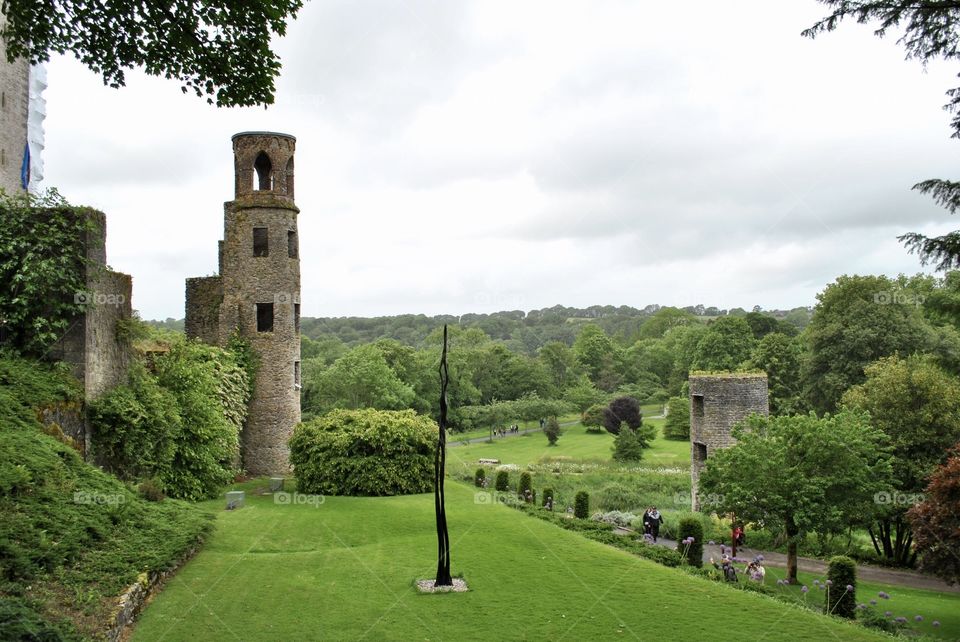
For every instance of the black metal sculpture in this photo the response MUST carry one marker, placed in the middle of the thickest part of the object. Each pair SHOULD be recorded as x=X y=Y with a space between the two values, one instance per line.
x=439 y=470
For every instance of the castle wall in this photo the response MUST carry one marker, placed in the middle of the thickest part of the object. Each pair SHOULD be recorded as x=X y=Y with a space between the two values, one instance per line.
x=97 y=356
x=108 y=355
x=717 y=403
x=14 y=112
x=204 y=296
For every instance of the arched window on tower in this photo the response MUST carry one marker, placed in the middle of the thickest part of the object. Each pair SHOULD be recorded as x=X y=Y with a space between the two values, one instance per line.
x=264 y=169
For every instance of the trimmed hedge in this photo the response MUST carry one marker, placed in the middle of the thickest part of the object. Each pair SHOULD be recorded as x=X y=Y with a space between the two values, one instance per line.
x=691 y=527
x=480 y=478
x=581 y=505
x=364 y=452
x=503 y=481
x=526 y=483
x=842 y=573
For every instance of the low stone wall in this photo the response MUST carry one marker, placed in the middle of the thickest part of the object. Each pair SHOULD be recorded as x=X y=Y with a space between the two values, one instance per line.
x=131 y=602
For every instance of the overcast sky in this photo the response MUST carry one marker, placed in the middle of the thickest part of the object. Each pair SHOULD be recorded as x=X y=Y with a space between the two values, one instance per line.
x=484 y=155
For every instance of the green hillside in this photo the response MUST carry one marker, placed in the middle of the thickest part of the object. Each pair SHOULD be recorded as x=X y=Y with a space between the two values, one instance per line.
x=72 y=538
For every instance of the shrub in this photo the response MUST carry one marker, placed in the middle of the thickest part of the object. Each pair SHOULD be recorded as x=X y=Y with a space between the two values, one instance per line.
x=592 y=418
x=135 y=427
x=842 y=573
x=526 y=483
x=677 y=424
x=618 y=497
x=552 y=430
x=181 y=425
x=364 y=452
x=615 y=518
x=622 y=410
x=547 y=496
x=480 y=478
x=502 y=482
x=691 y=527
x=151 y=490
x=581 y=505
x=626 y=445
x=43 y=259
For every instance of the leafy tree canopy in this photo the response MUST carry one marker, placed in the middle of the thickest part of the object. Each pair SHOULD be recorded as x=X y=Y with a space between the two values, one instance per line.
x=217 y=49
x=936 y=522
x=857 y=320
x=800 y=473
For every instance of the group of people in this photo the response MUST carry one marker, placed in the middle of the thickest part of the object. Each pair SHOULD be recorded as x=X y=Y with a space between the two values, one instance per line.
x=502 y=432
x=651 y=522
x=754 y=570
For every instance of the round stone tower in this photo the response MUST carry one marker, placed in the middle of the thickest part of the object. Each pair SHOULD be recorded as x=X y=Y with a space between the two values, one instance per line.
x=717 y=403
x=260 y=274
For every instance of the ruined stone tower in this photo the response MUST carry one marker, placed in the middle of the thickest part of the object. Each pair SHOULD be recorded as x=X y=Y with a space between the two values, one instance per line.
x=717 y=403
x=258 y=293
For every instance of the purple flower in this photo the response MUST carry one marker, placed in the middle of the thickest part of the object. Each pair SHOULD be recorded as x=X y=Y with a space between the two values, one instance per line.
x=918 y=618
x=873 y=602
x=935 y=623
x=849 y=588
x=901 y=620
x=861 y=606
x=692 y=539
x=804 y=589
x=829 y=582
x=884 y=596
x=759 y=558
x=888 y=613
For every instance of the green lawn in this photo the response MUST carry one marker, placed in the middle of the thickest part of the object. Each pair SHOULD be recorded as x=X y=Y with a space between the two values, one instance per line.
x=344 y=570
x=455 y=437
x=575 y=443
x=906 y=602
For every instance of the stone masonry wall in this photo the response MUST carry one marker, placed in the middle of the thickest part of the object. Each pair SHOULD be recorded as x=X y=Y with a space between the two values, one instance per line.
x=14 y=106
x=91 y=346
x=717 y=403
x=247 y=281
x=204 y=296
x=108 y=353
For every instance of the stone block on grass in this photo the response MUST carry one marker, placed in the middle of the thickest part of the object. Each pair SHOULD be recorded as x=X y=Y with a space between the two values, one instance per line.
x=235 y=499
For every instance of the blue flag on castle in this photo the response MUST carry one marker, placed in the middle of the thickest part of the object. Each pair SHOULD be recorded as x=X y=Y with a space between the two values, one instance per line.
x=25 y=167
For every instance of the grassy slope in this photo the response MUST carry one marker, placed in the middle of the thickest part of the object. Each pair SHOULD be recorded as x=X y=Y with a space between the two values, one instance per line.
x=345 y=569
x=62 y=555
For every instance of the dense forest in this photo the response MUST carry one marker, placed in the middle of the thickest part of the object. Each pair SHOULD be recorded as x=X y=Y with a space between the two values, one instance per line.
x=583 y=357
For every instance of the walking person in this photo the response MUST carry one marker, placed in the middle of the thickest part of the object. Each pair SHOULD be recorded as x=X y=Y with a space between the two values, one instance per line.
x=646 y=521
x=655 y=520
